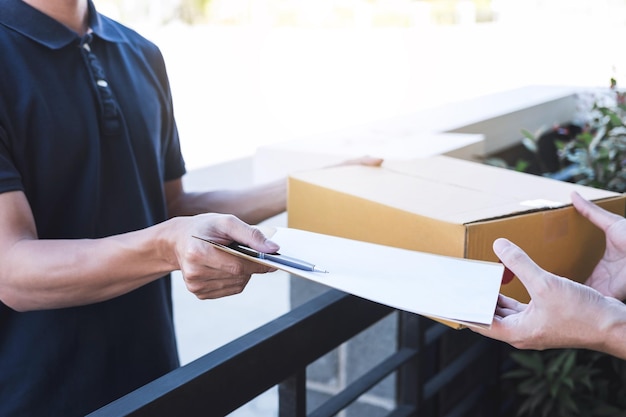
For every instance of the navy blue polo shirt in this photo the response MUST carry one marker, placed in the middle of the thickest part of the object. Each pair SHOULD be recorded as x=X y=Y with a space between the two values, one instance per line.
x=87 y=133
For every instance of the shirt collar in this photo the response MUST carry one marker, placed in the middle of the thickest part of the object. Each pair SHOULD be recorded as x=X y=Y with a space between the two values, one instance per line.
x=41 y=28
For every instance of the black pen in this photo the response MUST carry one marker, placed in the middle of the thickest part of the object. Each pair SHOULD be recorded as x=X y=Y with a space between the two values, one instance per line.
x=274 y=257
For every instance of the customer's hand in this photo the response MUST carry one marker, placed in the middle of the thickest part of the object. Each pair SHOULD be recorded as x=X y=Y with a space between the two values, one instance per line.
x=209 y=272
x=609 y=275
x=561 y=313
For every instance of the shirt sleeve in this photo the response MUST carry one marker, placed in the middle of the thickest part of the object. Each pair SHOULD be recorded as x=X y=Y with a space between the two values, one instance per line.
x=10 y=179
x=174 y=163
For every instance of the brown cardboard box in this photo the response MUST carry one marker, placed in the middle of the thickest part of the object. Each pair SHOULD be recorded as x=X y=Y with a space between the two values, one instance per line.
x=453 y=207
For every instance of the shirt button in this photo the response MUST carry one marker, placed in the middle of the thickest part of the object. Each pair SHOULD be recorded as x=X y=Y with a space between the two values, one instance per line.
x=102 y=83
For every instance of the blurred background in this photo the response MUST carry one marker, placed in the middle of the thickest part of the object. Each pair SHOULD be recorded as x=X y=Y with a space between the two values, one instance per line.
x=250 y=72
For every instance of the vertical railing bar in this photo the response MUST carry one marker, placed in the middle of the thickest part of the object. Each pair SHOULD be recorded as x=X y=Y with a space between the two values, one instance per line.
x=448 y=373
x=466 y=404
x=407 y=380
x=292 y=395
x=428 y=334
x=361 y=385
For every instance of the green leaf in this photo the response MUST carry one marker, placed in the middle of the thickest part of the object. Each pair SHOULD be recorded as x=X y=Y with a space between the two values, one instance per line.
x=496 y=162
x=568 y=362
x=585 y=138
x=531 y=387
x=555 y=388
x=518 y=374
x=568 y=382
x=521 y=165
x=615 y=119
x=526 y=409
x=532 y=403
x=529 y=359
x=528 y=135
x=530 y=144
x=561 y=357
x=569 y=404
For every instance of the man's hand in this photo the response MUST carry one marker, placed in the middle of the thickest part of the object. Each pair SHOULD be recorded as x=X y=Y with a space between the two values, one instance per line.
x=211 y=273
x=561 y=313
x=609 y=275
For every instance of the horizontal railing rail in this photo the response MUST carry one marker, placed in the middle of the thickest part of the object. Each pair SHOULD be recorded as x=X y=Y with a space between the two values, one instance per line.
x=229 y=377
x=439 y=371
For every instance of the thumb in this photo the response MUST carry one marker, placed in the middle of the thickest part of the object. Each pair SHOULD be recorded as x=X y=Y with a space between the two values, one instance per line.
x=519 y=263
x=255 y=239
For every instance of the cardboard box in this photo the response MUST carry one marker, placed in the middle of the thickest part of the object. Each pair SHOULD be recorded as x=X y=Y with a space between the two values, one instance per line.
x=453 y=207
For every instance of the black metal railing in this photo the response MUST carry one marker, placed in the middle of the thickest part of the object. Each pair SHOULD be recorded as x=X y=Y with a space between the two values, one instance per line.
x=432 y=378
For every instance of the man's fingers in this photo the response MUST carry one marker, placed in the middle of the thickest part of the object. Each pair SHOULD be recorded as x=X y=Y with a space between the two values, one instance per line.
x=507 y=306
x=510 y=303
x=251 y=236
x=519 y=263
x=594 y=213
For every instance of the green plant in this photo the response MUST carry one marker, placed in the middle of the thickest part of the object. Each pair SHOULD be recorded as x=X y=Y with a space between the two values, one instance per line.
x=569 y=383
x=593 y=154
x=599 y=153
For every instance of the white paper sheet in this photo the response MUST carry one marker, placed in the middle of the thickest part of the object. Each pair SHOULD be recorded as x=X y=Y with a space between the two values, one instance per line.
x=459 y=290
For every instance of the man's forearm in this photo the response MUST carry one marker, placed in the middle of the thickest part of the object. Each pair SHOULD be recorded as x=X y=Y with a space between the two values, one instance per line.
x=43 y=274
x=252 y=205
